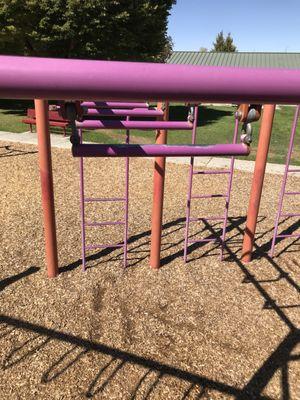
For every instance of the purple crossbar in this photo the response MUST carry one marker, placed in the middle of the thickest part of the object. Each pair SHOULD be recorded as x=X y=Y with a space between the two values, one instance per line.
x=154 y=150
x=113 y=104
x=142 y=125
x=121 y=112
x=54 y=78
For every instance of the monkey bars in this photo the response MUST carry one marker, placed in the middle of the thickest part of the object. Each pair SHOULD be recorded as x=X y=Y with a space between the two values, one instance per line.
x=121 y=82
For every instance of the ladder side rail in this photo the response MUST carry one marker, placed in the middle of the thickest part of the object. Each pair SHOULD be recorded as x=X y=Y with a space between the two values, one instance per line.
x=284 y=180
x=127 y=139
x=82 y=206
x=231 y=169
x=190 y=183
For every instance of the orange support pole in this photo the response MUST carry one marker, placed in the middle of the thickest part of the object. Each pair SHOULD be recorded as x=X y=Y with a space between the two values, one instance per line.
x=158 y=196
x=258 y=180
x=45 y=166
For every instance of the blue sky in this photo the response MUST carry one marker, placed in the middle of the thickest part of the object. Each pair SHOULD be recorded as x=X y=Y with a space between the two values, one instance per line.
x=265 y=25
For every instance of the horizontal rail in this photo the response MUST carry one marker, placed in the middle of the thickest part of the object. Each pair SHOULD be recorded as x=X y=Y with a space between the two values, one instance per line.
x=51 y=78
x=132 y=125
x=153 y=150
x=113 y=104
x=121 y=112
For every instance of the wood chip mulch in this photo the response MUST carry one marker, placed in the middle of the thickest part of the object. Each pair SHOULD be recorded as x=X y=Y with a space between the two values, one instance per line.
x=202 y=330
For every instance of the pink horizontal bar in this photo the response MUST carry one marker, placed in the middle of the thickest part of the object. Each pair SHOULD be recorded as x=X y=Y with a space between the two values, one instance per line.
x=294 y=170
x=106 y=223
x=95 y=199
x=54 y=78
x=143 y=125
x=120 y=112
x=102 y=246
x=291 y=193
x=113 y=104
x=153 y=150
x=211 y=172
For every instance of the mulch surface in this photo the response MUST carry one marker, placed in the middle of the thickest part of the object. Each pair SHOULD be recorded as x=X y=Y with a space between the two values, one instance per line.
x=202 y=330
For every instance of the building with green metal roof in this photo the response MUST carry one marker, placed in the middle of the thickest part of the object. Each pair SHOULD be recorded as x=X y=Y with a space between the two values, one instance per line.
x=238 y=59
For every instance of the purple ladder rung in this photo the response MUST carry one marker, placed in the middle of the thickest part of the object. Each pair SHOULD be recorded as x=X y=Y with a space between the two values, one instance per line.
x=211 y=172
x=293 y=170
x=204 y=240
x=287 y=235
x=113 y=104
x=290 y=215
x=103 y=246
x=213 y=218
x=100 y=199
x=207 y=196
x=291 y=193
x=120 y=112
x=105 y=223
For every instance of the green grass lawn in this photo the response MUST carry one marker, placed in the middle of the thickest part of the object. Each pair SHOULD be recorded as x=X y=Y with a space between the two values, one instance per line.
x=215 y=125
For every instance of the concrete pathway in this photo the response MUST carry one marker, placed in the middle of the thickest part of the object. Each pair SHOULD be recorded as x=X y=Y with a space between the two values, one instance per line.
x=208 y=162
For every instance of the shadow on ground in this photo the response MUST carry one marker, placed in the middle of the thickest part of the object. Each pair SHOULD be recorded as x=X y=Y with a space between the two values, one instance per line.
x=116 y=360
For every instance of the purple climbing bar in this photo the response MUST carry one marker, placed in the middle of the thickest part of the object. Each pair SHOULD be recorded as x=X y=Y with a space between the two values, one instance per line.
x=113 y=104
x=120 y=112
x=52 y=78
x=153 y=150
x=141 y=125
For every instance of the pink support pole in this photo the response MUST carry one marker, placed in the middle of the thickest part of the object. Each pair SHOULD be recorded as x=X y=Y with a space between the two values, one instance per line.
x=258 y=180
x=45 y=165
x=158 y=196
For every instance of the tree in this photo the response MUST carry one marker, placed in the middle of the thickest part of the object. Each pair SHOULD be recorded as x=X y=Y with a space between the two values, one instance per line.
x=203 y=49
x=224 y=44
x=100 y=29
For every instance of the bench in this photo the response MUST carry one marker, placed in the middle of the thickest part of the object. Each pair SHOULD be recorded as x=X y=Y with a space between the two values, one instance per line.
x=55 y=119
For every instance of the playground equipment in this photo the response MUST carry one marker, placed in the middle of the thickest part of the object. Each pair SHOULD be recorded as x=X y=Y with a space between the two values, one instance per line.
x=191 y=196
x=246 y=114
x=128 y=110
x=283 y=192
x=47 y=79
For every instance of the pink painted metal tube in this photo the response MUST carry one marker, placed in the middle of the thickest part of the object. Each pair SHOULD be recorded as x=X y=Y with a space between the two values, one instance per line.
x=143 y=125
x=113 y=104
x=119 y=112
x=155 y=150
x=49 y=78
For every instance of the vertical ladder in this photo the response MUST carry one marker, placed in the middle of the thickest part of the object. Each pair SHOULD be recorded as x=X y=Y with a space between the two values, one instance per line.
x=283 y=192
x=84 y=200
x=190 y=196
